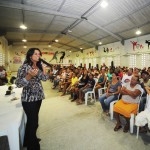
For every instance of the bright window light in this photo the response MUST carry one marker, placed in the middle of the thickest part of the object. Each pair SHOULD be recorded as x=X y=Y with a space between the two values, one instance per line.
x=23 y=27
x=24 y=40
x=104 y=4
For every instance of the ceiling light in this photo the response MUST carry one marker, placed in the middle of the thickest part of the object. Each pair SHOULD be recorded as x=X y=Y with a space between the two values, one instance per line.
x=24 y=46
x=81 y=48
x=100 y=43
x=56 y=40
x=104 y=4
x=138 y=32
x=24 y=40
x=69 y=31
x=70 y=51
x=23 y=27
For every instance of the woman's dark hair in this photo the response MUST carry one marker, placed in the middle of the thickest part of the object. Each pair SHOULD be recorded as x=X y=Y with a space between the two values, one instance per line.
x=116 y=73
x=29 y=61
x=138 y=78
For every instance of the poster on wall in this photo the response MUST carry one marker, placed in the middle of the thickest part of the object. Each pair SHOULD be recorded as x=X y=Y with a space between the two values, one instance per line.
x=17 y=60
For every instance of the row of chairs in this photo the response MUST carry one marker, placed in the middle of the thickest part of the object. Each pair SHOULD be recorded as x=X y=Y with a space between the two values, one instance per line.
x=91 y=95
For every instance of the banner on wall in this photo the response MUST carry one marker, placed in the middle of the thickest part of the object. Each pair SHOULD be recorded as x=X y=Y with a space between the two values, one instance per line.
x=17 y=60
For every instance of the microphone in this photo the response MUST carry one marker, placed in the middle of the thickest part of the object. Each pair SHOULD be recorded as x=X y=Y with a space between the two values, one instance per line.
x=46 y=63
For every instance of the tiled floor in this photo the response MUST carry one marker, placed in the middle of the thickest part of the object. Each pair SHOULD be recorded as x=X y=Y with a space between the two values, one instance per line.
x=66 y=126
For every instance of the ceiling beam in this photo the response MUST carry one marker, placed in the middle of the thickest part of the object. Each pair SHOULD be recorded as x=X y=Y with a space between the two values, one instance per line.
x=69 y=46
x=30 y=41
x=27 y=31
x=102 y=28
x=127 y=14
x=35 y=9
x=50 y=23
x=77 y=38
x=51 y=12
x=19 y=41
x=78 y=21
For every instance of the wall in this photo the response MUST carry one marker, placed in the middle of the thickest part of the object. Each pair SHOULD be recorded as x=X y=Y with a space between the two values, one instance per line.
x=17 y=55
x=122 y=55
x=3 y=52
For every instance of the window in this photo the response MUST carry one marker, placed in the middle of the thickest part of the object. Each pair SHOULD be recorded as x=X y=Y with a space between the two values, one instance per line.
x=132 y=61
x=94 y=62
x=145 y=60
x=109 y=60
x=2 y=59
x=86 y=62
x=117 y=61
x=102 y=60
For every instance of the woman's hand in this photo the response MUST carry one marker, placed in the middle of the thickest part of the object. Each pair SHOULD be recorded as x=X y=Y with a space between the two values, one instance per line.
x=31 y=73
x=44 y=68
x=108 y=94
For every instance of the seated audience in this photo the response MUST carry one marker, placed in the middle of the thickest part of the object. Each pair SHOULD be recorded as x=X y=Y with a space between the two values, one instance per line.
x=111 y=94
x=145 y=83
x=82 y=82
x=128 y=103
x=3 y=76
x=127 y=77
x=74 y=81
x=53 y=74
x=101 y=82
x=88 y=87
x=109 y=75
x=67 y=81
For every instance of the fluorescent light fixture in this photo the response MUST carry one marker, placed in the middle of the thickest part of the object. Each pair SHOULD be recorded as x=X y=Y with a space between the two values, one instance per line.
x=100 y=43
x=23 y=27
x=69 y=31
x=104 y=4
x=24 y=40
x=56 y=40
x=138 y=32
x=24 y=46
x=81 y=48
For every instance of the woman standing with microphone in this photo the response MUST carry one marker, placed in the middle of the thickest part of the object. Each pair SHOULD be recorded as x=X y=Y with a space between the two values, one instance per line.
x=29 y=77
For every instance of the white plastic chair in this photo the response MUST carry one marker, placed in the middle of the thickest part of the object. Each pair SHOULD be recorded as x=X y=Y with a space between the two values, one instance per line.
x=137 y=133
x=132 y=118
x=89 y=93
x=100 y=90
x=111 y=111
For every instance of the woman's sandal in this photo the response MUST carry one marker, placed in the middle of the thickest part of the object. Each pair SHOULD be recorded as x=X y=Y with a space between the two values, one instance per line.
x=117 y=127
x=107 y=114
x=79 y=103
x=126 y=128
